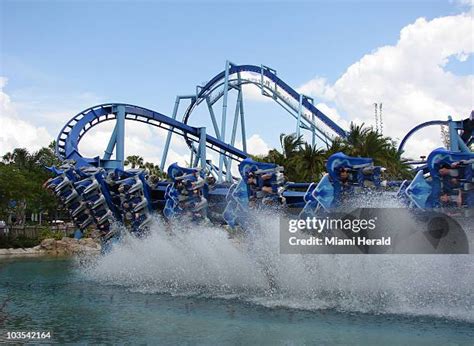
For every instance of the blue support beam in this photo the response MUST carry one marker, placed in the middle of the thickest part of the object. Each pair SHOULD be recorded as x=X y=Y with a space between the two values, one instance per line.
x=170 y=133
x=213 y=118
x=192 y=163
x=224 y=116
x=236 y=117
x=202 y=147
x=242 y=121
x=168 y=137
x=120 y=138
x=110 y=147
x=234 y=132
x=453 y=134
x=313 y=121
x=298 y=120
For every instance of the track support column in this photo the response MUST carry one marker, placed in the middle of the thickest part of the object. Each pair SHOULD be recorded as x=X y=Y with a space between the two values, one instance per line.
x=237 y=113
x=110 y=147
x=298 y=120
x=224 y=116
x=453 y=135
x=168 y=137
x=202 y=147
x=170 y=132
x=213 y=118
x=120 y=138
x=242 y=123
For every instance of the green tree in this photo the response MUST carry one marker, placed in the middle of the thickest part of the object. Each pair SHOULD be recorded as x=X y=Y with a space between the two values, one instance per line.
x=135 y=161
x=366 y=142
x=22 y=175
x=153 y=170
x=304 y=162
x=310 y=163
x=288 y=157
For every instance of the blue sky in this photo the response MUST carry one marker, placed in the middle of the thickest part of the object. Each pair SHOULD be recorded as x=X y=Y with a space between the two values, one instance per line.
x=64 y=56
x=166 y=48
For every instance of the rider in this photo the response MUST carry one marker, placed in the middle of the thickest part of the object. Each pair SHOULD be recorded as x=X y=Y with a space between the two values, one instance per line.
x=448 y=174
x=267 y=184
x=448 y=202
x=344 y=177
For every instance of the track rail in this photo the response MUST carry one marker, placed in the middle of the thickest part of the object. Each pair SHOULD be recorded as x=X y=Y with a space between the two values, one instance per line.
x=417 y=128
x=71 y=134
x=217 y=81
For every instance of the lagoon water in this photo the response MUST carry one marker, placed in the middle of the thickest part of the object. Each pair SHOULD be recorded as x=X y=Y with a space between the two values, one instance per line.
x=197 y=286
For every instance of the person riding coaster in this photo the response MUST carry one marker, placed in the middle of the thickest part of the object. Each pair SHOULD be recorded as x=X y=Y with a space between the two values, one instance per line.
x=346 y=176
x=78 y=190
x=187 y=195
x=449 y=182
x=64 y=187
x=130 y=190
x=93 y=197
x=262 y=185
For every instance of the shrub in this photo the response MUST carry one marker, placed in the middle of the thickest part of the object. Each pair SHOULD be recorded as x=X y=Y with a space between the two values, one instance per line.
x=18 y=242
x=49 y=233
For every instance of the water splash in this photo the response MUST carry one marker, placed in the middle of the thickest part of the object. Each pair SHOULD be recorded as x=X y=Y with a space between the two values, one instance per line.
x=204 y=261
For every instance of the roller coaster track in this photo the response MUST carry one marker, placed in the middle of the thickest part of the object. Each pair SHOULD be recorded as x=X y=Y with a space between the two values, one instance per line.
x=72 y=133
x=271 y=85
x=417 y=128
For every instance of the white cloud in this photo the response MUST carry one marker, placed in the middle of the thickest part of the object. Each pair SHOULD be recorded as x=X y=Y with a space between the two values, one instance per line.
x=333 y=114
x=410 y=79
x=16 y=132
x=255 y=145
x=254 y=93
x=140 y=139
x=318 y=87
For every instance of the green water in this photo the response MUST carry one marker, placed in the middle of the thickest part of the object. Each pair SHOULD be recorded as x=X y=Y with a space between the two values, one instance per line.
x=52 y=295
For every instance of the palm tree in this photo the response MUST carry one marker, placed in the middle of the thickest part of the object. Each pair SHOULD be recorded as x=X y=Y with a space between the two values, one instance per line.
x=310 y=163
x=304 y=162
x=337 y=145
x=152 y=169
x=355 y=139
x=288 y=158
x=397 y=167
x=134 y=160
x=366 y=142
x=290 y=145
x=155 y=174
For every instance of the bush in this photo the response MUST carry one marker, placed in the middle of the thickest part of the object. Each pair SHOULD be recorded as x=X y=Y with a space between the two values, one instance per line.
x=49 y=233
x=18 y=242
x=22 y=241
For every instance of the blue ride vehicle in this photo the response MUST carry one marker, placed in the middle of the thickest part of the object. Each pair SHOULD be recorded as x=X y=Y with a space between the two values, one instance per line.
x=187 y=194
x=446 y=182
x=346 y=176
x=261 y=185
x=96 y=198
